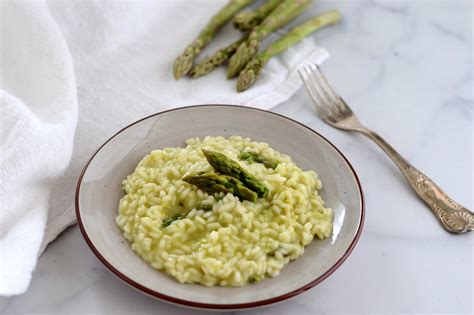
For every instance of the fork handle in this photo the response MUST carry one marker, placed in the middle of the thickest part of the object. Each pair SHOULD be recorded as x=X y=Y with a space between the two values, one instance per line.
x=454 y=217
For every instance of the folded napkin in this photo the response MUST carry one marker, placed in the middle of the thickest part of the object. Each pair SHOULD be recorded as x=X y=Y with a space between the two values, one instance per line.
x=72 y=74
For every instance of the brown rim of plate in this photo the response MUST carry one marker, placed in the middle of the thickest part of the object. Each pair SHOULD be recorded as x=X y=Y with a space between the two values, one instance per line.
x=174 y=300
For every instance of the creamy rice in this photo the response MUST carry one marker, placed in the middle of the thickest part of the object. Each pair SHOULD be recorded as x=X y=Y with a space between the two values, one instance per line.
x=222 y=240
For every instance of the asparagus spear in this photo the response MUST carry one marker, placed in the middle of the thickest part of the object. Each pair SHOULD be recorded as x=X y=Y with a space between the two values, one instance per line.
x=246 y=21
x=222 y=164
x=253 y=157
x=202 y=205
x=211 y=62
x=169 y=220
x=213 y=183
x=283 y=13
x=183 y=63
x=253 y=68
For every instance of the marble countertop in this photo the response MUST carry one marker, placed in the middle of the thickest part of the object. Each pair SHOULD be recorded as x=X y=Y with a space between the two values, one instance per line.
x=406 y=69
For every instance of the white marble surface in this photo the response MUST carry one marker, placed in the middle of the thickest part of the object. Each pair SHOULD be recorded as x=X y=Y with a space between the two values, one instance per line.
x=406 y=68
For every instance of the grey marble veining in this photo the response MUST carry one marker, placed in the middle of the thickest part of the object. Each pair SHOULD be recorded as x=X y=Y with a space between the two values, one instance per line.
x=406 y=68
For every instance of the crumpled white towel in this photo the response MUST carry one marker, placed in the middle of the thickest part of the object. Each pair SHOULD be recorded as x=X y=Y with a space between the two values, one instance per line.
x=122 y=53
x=38 y=116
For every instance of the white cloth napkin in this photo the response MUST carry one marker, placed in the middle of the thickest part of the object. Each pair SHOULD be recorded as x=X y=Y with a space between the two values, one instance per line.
x=100 y=65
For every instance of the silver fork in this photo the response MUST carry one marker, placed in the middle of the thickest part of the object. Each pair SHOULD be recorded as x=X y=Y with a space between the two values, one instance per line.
x=333 y=110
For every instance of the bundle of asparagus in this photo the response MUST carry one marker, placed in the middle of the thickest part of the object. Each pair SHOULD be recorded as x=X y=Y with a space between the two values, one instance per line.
x=244 y=59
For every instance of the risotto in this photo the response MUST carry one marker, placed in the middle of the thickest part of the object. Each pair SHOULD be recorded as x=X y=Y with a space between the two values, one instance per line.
x=213 y=237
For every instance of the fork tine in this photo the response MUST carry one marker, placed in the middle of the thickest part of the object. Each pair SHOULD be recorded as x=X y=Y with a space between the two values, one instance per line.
x=313 y=92
x=331 y=99
x=326 y=87
x=317 y=87
x=306 y=77
x=326 y=100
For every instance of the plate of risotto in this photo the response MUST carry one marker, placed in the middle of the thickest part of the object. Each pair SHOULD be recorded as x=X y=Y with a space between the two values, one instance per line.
x=220 y=207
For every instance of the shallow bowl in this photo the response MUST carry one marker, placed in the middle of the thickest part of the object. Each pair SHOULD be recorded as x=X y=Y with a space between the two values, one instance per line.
x=99 y=191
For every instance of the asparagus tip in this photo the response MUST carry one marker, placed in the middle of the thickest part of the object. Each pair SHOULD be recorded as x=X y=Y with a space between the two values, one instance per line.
x=239 y=59
x=206 y=153
x=235 y=62
x=182 y=65
x=249 y=75
x=202 y=68
x=245 y=80
x=245 y=21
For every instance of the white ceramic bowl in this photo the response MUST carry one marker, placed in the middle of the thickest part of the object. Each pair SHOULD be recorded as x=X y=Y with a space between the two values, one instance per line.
x=99 y=191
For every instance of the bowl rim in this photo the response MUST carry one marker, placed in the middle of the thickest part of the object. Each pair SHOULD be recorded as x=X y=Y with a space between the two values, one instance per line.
x=212 y=306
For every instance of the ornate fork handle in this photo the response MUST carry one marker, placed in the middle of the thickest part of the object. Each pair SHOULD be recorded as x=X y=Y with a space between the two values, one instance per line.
x=454 y=217
x=334 y=111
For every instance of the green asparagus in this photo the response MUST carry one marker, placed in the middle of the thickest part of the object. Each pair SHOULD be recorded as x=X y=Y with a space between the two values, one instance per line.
x=205 y=205
x=183 y=63
x=209 y=63
x=252 y=157
x=281 y=15
x=247 y=20
x=214 y=183
x=253 y=68
x=222 y=164
x=169 y=220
